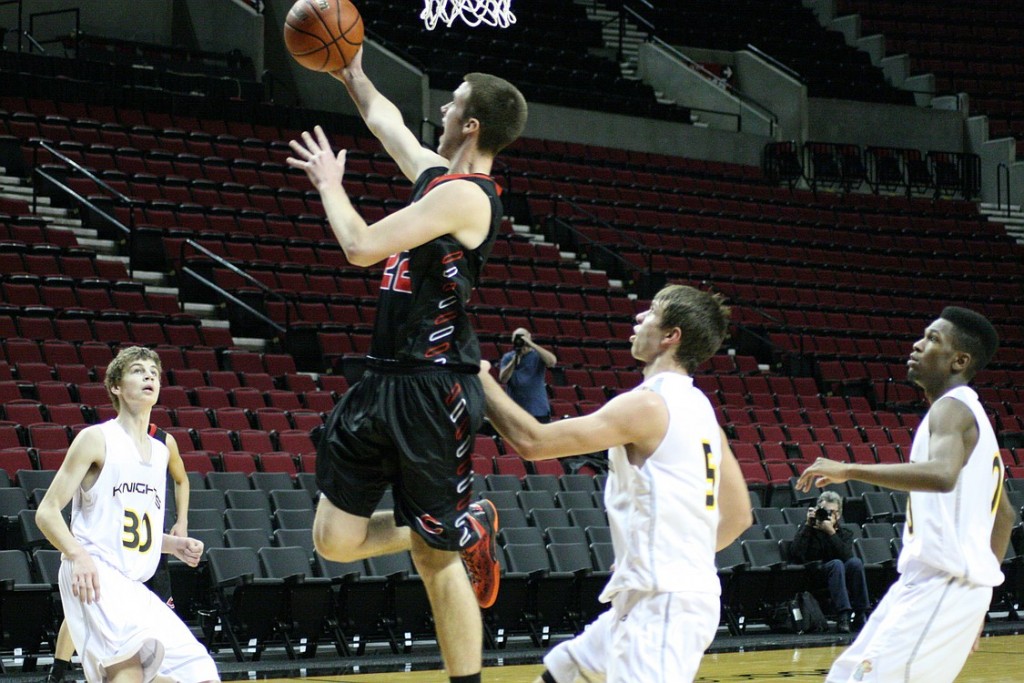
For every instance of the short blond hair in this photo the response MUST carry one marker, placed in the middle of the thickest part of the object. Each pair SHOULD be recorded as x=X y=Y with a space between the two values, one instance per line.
x=124 y=358
x=702 y=317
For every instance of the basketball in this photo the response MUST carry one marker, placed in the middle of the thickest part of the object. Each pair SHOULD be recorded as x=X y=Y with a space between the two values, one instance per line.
x=323 y=35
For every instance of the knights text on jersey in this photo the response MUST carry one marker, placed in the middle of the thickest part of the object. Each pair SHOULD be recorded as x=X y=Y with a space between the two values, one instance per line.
x=421 y=310
x=120 y=519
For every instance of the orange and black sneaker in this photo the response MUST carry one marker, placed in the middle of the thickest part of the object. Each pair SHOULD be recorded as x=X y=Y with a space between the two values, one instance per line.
x=481 y=559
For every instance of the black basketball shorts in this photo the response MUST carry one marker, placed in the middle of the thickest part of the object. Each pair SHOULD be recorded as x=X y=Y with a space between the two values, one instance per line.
x=415 y=431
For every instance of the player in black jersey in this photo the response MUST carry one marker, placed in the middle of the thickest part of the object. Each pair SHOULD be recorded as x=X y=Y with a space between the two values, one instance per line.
x=411 y=420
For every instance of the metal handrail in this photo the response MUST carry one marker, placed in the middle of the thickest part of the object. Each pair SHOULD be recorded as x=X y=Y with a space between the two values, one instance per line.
x=270 y=80
x=19 y=30
x=786 y=327
x=123 y=199
x=776 y=63
x=626 y=265
x=632 y=240
x=85 y=171
x=1003 y=169
x=220 y=260
x=32 y=21
x=640 y=273
x=650 y=28
x=114 y=222
x=703 y=71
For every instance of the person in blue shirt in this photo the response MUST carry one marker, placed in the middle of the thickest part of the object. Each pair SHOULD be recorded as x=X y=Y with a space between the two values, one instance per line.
x=522 y=372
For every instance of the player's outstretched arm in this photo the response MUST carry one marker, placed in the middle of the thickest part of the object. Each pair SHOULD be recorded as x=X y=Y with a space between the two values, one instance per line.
x=637 y=418
x=385 y=121
x=734 y=511
x=949 y=419
x=458 y=208
x=86 y=451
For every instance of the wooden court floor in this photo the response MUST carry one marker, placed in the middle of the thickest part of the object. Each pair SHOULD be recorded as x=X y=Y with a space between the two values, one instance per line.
x=1000 y=659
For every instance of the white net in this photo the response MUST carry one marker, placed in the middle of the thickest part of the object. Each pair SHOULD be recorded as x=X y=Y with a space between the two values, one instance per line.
x=496 y=13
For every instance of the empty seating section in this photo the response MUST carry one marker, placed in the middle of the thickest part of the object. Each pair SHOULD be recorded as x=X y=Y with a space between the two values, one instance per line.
x=568 y=63
x=821 y=338
x=855 y=332
x=848 y=329
x=982 y=57
x=820 y=57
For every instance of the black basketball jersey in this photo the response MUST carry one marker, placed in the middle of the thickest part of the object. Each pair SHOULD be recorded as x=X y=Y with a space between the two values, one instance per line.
x=421 y=311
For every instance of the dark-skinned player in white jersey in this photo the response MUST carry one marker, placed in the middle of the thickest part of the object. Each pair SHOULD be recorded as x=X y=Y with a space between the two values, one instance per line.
x=958 y=520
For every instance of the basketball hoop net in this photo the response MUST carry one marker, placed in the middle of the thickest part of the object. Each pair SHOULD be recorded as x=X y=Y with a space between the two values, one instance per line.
x=496 y=13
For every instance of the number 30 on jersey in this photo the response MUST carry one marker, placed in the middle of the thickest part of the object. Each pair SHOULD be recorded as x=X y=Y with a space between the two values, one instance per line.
x=137 y=533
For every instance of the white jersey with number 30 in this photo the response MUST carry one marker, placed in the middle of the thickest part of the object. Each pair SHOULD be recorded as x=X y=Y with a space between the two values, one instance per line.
x=664 y=514
x=120 y=519
x=952 y=531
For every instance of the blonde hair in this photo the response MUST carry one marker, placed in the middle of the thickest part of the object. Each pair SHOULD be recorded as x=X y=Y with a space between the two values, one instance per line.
x=702 y=317
x=124 y=358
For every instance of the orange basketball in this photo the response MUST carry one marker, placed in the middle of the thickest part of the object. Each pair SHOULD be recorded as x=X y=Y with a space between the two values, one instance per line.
x=323 y=35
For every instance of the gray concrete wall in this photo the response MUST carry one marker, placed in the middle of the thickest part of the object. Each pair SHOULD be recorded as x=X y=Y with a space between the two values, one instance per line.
x=825 y=10
x=783 y=95
x=703 y=55
x=993 y=153
x=143 y=20
x=1016 y=184
x=712 y=103
x=549 y=122
x=212 y=26
x=399 y=81
x=223 y=26
x=885 y=125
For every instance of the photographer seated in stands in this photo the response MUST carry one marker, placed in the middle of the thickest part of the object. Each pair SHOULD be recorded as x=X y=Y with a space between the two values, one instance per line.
x=823 y=539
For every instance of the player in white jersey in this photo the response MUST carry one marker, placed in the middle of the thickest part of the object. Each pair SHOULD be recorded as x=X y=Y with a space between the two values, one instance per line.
x=958 y=520
x=160 y=583
x=675 y=495
x=115 y=476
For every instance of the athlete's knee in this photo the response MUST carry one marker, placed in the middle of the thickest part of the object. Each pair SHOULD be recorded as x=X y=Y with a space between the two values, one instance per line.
x=332 y=544
x=128 y=671
x=325 y=545
x=334 y=539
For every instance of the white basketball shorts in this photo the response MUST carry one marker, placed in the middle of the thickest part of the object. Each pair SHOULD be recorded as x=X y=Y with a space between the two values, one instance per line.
x=649 y=637
x=922 y=631
x=129 y=619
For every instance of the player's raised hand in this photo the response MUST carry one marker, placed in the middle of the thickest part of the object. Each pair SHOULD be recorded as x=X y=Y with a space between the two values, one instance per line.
x=314 y=156
x=188 y=550
x=354 y=68
x=821 y=473
x=85 y=578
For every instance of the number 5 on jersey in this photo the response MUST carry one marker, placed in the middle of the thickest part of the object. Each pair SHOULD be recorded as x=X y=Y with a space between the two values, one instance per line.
x=711 y=470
